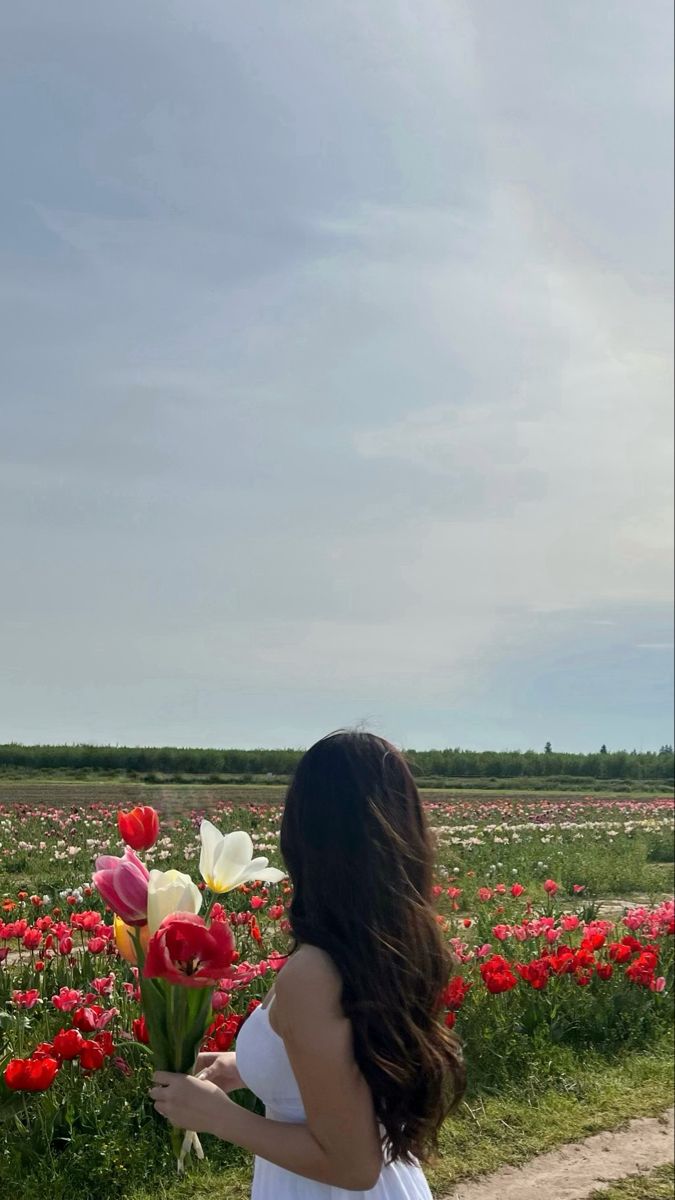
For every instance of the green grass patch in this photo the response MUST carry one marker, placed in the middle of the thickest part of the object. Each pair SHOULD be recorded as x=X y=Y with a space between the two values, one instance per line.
x=657 y=1185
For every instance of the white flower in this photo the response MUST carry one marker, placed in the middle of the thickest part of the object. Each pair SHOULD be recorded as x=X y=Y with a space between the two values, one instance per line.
x=227 y=860
x=170 y=892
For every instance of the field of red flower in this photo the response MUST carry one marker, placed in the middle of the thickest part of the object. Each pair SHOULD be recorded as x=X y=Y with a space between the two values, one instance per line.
x=541 y=974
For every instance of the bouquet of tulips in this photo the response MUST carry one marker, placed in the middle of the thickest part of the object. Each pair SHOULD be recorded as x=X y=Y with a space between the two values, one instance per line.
x=180 y=955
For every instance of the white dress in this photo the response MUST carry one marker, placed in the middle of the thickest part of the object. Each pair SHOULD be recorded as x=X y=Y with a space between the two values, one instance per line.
x=264 y=1067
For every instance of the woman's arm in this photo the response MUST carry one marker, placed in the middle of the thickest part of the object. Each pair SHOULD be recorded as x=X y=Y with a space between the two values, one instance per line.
x=340 y=1143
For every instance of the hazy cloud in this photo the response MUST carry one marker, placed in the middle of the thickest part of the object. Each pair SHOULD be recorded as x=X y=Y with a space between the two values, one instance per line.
x=338 y=377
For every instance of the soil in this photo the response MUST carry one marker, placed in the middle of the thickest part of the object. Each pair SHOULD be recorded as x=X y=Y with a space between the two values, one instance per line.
x=574 y=1171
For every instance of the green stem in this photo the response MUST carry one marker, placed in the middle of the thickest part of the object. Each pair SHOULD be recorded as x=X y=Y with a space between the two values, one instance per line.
x=136 y=1045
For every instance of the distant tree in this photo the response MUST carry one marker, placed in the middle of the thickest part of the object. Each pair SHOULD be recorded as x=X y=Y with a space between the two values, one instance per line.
x=603 y=749
x=548 y=748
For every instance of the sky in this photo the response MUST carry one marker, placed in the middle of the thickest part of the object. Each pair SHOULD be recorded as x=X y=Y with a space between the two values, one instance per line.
x=337 y=372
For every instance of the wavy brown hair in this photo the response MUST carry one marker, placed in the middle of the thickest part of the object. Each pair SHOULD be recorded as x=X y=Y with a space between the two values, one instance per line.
x=358 y=849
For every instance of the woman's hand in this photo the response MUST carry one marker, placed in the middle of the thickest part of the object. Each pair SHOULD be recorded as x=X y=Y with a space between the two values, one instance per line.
x=190 y=1103
x=219 y=1068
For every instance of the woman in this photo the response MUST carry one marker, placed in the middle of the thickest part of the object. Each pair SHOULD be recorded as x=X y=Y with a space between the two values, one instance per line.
x=348 y=1052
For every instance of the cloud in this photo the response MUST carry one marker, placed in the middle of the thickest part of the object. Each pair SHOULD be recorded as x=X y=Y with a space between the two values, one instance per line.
x=338 y=356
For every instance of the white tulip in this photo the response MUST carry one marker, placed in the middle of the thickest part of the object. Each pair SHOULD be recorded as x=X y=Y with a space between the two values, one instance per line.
x=170 y=892
x=227 y=860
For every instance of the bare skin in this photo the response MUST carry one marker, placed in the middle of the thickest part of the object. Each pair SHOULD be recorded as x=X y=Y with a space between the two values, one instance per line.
x=339 y=1144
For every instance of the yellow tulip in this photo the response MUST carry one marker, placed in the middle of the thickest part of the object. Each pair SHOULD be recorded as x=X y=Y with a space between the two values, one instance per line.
x=124 y=940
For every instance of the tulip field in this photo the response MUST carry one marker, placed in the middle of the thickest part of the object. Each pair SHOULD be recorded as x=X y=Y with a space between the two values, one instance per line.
x=559 y=912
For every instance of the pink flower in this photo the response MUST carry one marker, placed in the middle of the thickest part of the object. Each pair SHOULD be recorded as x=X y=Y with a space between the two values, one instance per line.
x=123 y=884
x=658 y=985
x=551 y=887
x=67 y=999
x=104 y=985
x=502 y=932
x=26 y=999
x=570 y=922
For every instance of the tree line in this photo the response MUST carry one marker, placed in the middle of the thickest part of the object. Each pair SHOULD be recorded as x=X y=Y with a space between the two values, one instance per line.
x=441 y=764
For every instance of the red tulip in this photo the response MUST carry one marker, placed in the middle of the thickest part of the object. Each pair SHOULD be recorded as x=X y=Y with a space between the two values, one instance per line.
x=497 y=975
x=535 y=973
x=499 y=981
x=593 y=941
x=43 y=1050
x=619 y=953
x=104 y=1039
x=455 y=993
x=92 y=1017
x=139 y=828
x=139 y=1028
x=67 y=1043
x=187 y=951
x=91 y=1056
x=31 y=1075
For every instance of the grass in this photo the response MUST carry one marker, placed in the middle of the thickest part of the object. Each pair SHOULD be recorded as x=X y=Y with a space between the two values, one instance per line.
x=493 y=1132
x=657 y=1185
x=32 y=779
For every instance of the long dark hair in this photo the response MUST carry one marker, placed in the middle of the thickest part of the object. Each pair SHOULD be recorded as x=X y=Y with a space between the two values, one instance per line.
x=358 y=850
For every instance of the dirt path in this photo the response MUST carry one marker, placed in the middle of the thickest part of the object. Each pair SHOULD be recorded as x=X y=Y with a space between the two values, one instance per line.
x=575 y=1170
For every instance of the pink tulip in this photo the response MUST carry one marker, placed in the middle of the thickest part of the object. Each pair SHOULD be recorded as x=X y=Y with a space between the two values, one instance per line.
x=502 y=932
x=123 y=884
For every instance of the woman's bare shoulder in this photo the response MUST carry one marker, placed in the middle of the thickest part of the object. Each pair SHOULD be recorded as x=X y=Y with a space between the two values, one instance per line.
x=309 y=973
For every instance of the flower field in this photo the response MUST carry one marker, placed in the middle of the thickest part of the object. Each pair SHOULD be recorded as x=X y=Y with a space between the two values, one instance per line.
x=547 y=968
